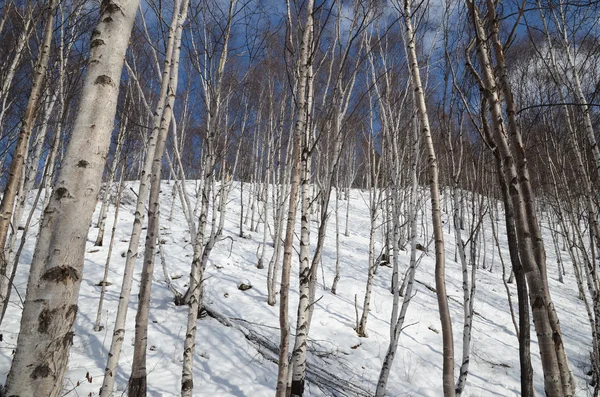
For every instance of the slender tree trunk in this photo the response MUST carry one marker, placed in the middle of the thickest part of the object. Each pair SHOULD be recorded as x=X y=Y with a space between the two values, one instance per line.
x=566 y=378
x=348 y=187
x=31 y=169
x=119 y=329
x=282 y=187
x=269 y=155
x=362 y=324
x=440 y=262
x=303 y=318
x=12 y=70
x=468 y=287
x=535 y=276
x=303 y=67
x=254 y=187
x=336 y=278
x=138 y=378
x=187 y=378
x=202 y=245
x=522 y=290
x=8 y=283
x=397 y=318
x=18 y=158
x=104 y=283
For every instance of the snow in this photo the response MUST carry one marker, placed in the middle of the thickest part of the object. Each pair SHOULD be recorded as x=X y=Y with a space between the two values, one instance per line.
x=229 y=361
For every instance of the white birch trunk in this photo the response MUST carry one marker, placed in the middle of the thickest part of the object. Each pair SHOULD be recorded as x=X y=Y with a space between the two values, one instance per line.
x=119 y=329
x=398 y=315
x=362 y=324
x=50 y=307
x=375 y=195
x=7 y=82
x=467 y=286
x=202 y=251
x=104 y=283
x=302 y=71
x=20 y=152
x=268 y=153
x=282 y=190
x=530 y=218
x=535 y=278
x=302 y=322
x=440 y=261
x=336 y=278
x=138 y=379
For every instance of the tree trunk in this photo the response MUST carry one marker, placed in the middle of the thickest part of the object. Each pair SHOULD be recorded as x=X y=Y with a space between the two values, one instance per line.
x=467 y=293
x=302 y=323
x=119 y=329
x=440 y=262
x=336 y=278
x=397 y=317
x=566 y=378
x=19 y=50
x=138 y=378
x=104 y=283
x=18 y=158
x=535 y=277
x=303 y=67
x=523 y=300
x=203 y=246
x=281 y=187
x=50 y=308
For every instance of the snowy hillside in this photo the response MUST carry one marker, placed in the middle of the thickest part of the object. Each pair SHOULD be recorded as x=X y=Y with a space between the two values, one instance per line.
x=236 y=344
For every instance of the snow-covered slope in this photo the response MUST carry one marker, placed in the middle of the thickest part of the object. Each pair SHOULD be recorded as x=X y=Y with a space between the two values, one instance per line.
x=236 y=351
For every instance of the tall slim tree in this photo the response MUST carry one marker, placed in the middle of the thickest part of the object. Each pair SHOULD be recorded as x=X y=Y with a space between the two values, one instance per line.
x=302 y=74
x=436 y=214
x=557 y=377
x=138 y=379
x=213 y=82
x=20 y=152
x=132 y=252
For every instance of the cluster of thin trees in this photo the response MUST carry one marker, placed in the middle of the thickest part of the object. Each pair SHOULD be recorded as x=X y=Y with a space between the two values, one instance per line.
x=491 y=106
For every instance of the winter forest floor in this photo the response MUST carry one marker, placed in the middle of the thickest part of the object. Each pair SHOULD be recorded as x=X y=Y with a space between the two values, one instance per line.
x=236 y=348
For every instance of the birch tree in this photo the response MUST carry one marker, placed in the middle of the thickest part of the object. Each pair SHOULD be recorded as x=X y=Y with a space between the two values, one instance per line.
x=20 y=151
x=138 y=379
x=119 y=328
x=302 y=74
x=104 y=283
x=213 y=87
x=107 y=192
x=50 y=308
x=375 y=190
x=342 y=77
x=432 y=166
x=399 y=313
x=557 y=377
x=24 y=35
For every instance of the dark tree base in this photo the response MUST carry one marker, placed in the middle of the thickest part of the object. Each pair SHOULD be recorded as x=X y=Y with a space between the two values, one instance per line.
x=137 y=387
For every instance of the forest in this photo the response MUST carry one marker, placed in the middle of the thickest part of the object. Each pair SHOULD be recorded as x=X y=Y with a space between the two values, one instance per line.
x=299 y=198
